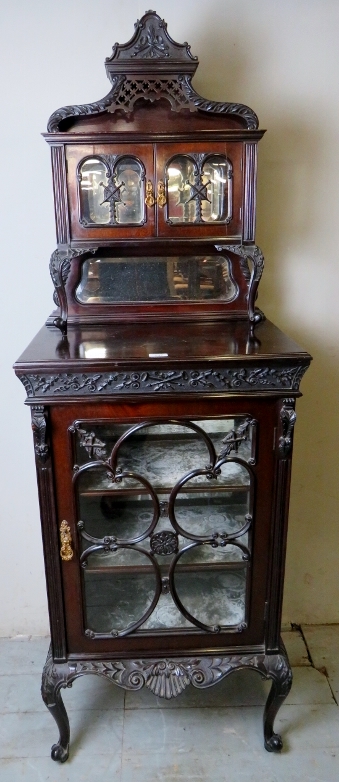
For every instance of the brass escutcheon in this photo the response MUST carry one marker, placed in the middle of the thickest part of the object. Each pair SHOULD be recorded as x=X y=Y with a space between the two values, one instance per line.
x=149 y=200
x=161 y=194
x=66 y=551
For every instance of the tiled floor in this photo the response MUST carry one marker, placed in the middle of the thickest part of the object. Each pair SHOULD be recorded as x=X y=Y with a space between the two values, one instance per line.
x=202 y=736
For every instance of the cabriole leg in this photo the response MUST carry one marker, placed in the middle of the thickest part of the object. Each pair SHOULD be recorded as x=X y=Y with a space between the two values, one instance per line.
x=279 y=670
x=53 y=678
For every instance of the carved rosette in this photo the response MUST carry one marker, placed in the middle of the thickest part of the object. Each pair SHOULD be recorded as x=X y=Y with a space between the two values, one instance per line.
x=164 y=543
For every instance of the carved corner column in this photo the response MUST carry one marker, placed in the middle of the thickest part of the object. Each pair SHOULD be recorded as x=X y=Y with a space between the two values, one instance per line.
x=44 y=469
x=283 y=449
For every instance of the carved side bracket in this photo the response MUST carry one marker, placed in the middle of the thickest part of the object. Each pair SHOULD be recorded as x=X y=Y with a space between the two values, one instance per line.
x=59 y=267
x=288 y=418
x=256 y=258
x=39 y=426
x=167 y=678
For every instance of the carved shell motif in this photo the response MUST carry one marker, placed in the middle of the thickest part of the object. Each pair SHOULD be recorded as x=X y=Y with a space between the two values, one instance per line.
x=167 y=679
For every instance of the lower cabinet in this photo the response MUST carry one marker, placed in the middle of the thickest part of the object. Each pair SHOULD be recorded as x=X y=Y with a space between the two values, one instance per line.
x=164 y=529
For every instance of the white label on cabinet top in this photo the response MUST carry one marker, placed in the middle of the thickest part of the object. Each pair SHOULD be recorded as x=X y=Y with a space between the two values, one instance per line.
x=158 y=355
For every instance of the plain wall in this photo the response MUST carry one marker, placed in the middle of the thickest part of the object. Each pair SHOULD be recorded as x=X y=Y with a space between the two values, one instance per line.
x=281 y=58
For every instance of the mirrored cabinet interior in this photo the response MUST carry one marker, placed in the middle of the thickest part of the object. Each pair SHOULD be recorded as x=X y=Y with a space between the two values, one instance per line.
x=162 y=400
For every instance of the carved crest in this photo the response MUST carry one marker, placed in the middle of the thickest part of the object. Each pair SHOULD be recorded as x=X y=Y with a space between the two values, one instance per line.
x=152 y=66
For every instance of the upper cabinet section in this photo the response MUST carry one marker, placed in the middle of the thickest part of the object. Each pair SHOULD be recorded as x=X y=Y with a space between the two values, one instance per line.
x=153 y=158
x=177 y=190
x=155 y=194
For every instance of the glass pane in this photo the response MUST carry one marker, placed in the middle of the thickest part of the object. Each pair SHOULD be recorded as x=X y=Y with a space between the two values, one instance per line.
x=93 y=179
x=196 y=278
x=208 y=513
x=129 y=179
x=126 y=516
x=120 y=582
x=213 y=597
x=214 y=177
x=180 y=177
x=115 y=600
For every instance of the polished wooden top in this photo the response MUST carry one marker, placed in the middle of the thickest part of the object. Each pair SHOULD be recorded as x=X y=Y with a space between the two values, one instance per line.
x=157 y=345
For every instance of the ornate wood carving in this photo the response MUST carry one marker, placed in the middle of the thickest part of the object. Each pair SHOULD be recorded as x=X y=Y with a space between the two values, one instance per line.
x=152 y=66
x=288 y=418
x=95 y=448
x=39 y=432
x=75 y=384
x=59 y=267
x=164 y=543
x=98 y=107
x=167 y=678
x=256 y=258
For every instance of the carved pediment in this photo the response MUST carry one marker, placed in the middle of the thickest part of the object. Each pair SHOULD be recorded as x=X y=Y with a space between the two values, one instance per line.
x=150 y=48
x=151 y=66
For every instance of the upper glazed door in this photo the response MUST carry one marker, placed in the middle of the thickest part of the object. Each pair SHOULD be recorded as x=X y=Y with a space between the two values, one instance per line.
x=110 y=189
x=199 y=189
x=125 y=191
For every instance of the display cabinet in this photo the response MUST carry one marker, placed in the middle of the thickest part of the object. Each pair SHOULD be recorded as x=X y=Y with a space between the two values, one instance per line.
x=162 y=401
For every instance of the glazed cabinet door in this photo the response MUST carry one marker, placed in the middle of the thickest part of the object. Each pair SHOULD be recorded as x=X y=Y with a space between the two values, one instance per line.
x=110 y=191
x=164 y=516
x=199 y=190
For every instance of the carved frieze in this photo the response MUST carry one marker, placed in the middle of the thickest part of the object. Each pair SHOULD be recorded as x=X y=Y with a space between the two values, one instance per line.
x=82 y=384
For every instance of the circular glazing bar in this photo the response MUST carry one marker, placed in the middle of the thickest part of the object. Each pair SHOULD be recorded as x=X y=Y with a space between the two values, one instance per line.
x=151 y=424
x=117 y=478
x=158 y=587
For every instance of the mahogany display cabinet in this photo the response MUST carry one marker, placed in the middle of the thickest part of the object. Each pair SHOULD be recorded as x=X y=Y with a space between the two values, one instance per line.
x=162 y=401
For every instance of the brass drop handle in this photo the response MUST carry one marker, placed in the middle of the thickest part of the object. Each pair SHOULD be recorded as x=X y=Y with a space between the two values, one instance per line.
x=161 y=193
x=66 y=551
x=149 y=200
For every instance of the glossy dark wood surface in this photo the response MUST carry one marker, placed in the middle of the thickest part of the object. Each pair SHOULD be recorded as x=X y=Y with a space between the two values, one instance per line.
x=178 y=363
x=185 y=343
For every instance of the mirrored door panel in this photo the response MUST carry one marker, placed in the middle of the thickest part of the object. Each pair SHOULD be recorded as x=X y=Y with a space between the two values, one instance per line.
x=165 y=519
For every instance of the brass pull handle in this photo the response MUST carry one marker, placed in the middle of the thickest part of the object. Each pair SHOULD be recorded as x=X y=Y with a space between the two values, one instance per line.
x=66 y=551
x=161 y=194
x=149 y=200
